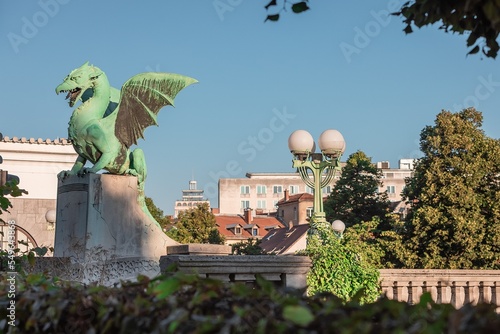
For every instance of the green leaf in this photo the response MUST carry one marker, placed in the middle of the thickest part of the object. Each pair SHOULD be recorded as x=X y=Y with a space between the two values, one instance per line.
x=474 y=50
x=31 y=258
x=300 y=7
x=167 y=287
x=271 y=3
x=298 y=314
x=425 y=299
x=4 y=203
x=274 y=17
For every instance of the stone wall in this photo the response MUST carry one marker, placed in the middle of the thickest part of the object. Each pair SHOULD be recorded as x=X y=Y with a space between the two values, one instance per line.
x=29 y=213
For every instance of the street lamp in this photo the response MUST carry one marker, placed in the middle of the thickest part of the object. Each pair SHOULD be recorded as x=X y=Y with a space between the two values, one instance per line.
x=317 y=169
x=338 y=228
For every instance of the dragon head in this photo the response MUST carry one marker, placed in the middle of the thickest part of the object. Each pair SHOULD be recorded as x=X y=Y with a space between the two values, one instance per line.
x=78 y=82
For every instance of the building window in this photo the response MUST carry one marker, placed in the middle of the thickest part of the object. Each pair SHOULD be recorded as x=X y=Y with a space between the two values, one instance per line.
x=391 y=189
x=310 y=211
x=294 y=190
x=261 y=204
x=277 y=189
x=255 y=232
x=244 y=190
x=245 y=204
x=327 y=190
x=237 y=230
x=309 y=190
x=261 y=189
x=295 y=213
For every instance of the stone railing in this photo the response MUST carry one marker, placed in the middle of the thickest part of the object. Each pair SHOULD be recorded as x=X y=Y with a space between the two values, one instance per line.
x=288 y=271
x=457 y=287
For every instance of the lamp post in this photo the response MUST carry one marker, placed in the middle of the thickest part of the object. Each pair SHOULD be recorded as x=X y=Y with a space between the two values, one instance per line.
x=317 y=169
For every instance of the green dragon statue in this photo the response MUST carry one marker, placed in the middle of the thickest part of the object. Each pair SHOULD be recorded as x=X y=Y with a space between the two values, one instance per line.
x=108 y=121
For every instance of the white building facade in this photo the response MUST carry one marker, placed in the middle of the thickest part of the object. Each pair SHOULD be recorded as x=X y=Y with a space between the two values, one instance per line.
x=36 y=162
x=262 y=191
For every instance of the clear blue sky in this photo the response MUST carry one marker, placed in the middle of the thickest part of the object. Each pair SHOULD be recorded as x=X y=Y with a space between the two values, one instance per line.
x=342 y=65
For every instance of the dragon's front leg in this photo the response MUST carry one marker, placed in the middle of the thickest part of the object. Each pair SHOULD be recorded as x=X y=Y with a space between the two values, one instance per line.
x=101 y=147
x=77 y=168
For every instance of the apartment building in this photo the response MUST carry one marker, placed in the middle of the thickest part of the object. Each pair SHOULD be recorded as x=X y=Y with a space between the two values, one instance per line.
x=394 y=178
x=260 y=191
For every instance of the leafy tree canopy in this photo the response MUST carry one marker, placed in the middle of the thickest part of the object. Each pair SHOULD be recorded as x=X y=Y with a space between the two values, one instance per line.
x=455 y=193
x=480 y=19
x=157 y=214
x=248 y=247
x=355 y=197
x=196 y=225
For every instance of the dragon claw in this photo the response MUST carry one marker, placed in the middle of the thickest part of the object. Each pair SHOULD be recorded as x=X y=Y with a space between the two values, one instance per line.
x=131 y=172
x=63 y=174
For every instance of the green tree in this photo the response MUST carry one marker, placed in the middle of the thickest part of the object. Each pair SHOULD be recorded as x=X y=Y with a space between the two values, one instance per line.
x=455 y=194
x=248 y=247
x=158 y=215
x=196 y=225
x=479 y=19
x=355 y=197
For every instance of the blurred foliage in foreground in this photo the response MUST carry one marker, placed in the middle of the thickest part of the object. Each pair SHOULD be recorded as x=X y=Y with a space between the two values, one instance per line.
x=179 y=303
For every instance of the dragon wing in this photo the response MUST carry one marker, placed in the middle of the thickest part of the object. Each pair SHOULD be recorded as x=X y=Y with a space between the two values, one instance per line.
x=142 y=97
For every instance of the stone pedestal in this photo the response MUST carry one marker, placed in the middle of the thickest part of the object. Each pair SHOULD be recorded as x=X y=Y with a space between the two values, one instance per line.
x=99 y=221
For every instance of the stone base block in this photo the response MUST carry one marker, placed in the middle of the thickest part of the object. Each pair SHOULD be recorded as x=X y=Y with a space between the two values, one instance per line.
x=108 y=273
x=99 y=215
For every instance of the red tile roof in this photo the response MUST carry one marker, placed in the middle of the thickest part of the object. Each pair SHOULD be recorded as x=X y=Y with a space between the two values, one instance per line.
x=226 y=224
x=278 y=241
x=297 y=198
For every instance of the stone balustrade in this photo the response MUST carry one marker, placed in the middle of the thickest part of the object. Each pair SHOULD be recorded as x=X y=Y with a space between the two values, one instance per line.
x=457 y=287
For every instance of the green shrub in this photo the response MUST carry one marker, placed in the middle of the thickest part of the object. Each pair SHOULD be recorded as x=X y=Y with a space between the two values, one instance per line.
x=340 y=267
x=179 y=303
